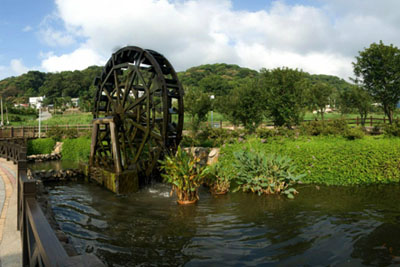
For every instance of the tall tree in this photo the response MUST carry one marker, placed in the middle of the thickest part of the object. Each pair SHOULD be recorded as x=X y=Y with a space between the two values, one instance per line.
x=377 y=69
x=197 y=105
x=319 y=97
x=285 y=95
x=244 y=105
x=356 y=98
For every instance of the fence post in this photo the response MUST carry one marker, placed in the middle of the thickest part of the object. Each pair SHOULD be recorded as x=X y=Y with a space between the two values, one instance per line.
x=370 y=121
x=12 y=132
x=220 y=124
x=357 y=121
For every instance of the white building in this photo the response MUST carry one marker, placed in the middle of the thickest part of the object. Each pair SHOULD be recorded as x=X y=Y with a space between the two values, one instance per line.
x=36 y=102
x=75 y=102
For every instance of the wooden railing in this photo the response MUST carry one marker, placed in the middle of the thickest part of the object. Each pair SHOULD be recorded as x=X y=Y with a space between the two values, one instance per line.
x=12 y=132
x=40 y=246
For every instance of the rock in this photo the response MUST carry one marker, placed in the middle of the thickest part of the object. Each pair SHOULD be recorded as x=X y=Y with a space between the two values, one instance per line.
x=57 y=148
x=213 y=156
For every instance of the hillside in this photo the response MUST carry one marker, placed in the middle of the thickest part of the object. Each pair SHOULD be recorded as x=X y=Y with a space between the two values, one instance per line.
x=217 y=79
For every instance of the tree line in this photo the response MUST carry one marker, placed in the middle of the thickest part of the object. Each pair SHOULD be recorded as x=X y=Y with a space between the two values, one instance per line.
x=284 y=95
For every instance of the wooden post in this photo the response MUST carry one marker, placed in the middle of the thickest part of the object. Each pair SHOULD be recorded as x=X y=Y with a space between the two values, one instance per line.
x=93 y=145
x=370 y=121
x=220 y=124
x=11 y=132
x=115 y=148
x=357 y=121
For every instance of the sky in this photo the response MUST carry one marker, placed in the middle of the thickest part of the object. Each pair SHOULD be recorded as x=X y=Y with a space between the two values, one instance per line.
x=316 y=36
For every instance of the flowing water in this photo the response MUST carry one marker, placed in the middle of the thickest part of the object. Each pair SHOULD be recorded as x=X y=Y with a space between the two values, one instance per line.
x=345 y=226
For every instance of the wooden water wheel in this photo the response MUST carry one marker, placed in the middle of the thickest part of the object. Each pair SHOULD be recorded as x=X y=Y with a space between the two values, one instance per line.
x=138 y=111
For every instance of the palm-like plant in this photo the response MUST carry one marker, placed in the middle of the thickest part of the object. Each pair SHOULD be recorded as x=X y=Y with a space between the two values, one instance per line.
x=185 y=175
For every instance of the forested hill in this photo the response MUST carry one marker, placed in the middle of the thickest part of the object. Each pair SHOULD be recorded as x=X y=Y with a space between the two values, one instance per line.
x=217 y=79
x=53 y=85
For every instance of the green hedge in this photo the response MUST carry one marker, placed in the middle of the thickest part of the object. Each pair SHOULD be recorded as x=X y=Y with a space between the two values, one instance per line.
x=76 y=149
x=334 y=160
x=40 y=146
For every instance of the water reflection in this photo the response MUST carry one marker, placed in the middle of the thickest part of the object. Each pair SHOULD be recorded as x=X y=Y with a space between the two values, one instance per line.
x=325 y=226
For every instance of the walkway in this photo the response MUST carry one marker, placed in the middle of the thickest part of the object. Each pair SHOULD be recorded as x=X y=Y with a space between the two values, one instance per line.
x=10 y=241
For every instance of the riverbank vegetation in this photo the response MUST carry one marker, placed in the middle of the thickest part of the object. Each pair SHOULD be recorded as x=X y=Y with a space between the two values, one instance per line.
x=40 y=146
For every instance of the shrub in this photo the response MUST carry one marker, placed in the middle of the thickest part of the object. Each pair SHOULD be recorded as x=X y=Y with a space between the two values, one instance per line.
x=354 y=133
x=76 y=149
x=40 y=146
x=265 y=174
x=265 y=133
x=392 y=129
x=332 y=127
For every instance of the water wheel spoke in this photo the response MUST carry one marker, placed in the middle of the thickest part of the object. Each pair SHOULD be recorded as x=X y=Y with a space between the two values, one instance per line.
x=137 y=101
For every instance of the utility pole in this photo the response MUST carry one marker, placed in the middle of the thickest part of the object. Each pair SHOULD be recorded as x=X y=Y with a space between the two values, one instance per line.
x=8 y=122
x=40 y=122
x=2 y=121
x=212 y=123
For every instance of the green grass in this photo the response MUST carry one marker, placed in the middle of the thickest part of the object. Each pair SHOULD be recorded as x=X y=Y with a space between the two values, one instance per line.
x=334 y=160
x=68 y=119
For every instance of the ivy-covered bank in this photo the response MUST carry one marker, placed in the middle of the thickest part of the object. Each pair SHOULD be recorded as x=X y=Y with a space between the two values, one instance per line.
x=333 y=160
x=77 y=149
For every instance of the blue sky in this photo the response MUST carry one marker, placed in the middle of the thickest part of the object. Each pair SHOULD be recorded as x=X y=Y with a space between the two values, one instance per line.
x=318 y=36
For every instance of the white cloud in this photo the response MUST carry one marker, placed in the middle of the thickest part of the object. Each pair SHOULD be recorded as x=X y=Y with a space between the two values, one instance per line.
x=27 y=28
x=18 y=67
x=316 y=39
x=15 y=68
x=56 y=38
x=77 y=60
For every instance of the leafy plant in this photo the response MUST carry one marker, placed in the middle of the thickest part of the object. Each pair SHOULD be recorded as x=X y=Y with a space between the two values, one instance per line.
x=220 y=177
x=184 y=173
x=265 y=174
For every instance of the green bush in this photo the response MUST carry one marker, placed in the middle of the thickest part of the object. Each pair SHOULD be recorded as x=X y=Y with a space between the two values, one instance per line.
x=392 y=129
x=354 y=133
x=331 y=127
x=76 y=149
x=334 y=160
x=260 y=173
x=40 y=146
x=265 y=133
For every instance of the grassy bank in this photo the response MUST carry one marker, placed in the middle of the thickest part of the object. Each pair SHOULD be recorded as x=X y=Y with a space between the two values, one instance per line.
x=334 y=160
x=77 y=149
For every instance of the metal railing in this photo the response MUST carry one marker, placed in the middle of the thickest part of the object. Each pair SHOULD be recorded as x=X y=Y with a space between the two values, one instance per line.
x=40 y=245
